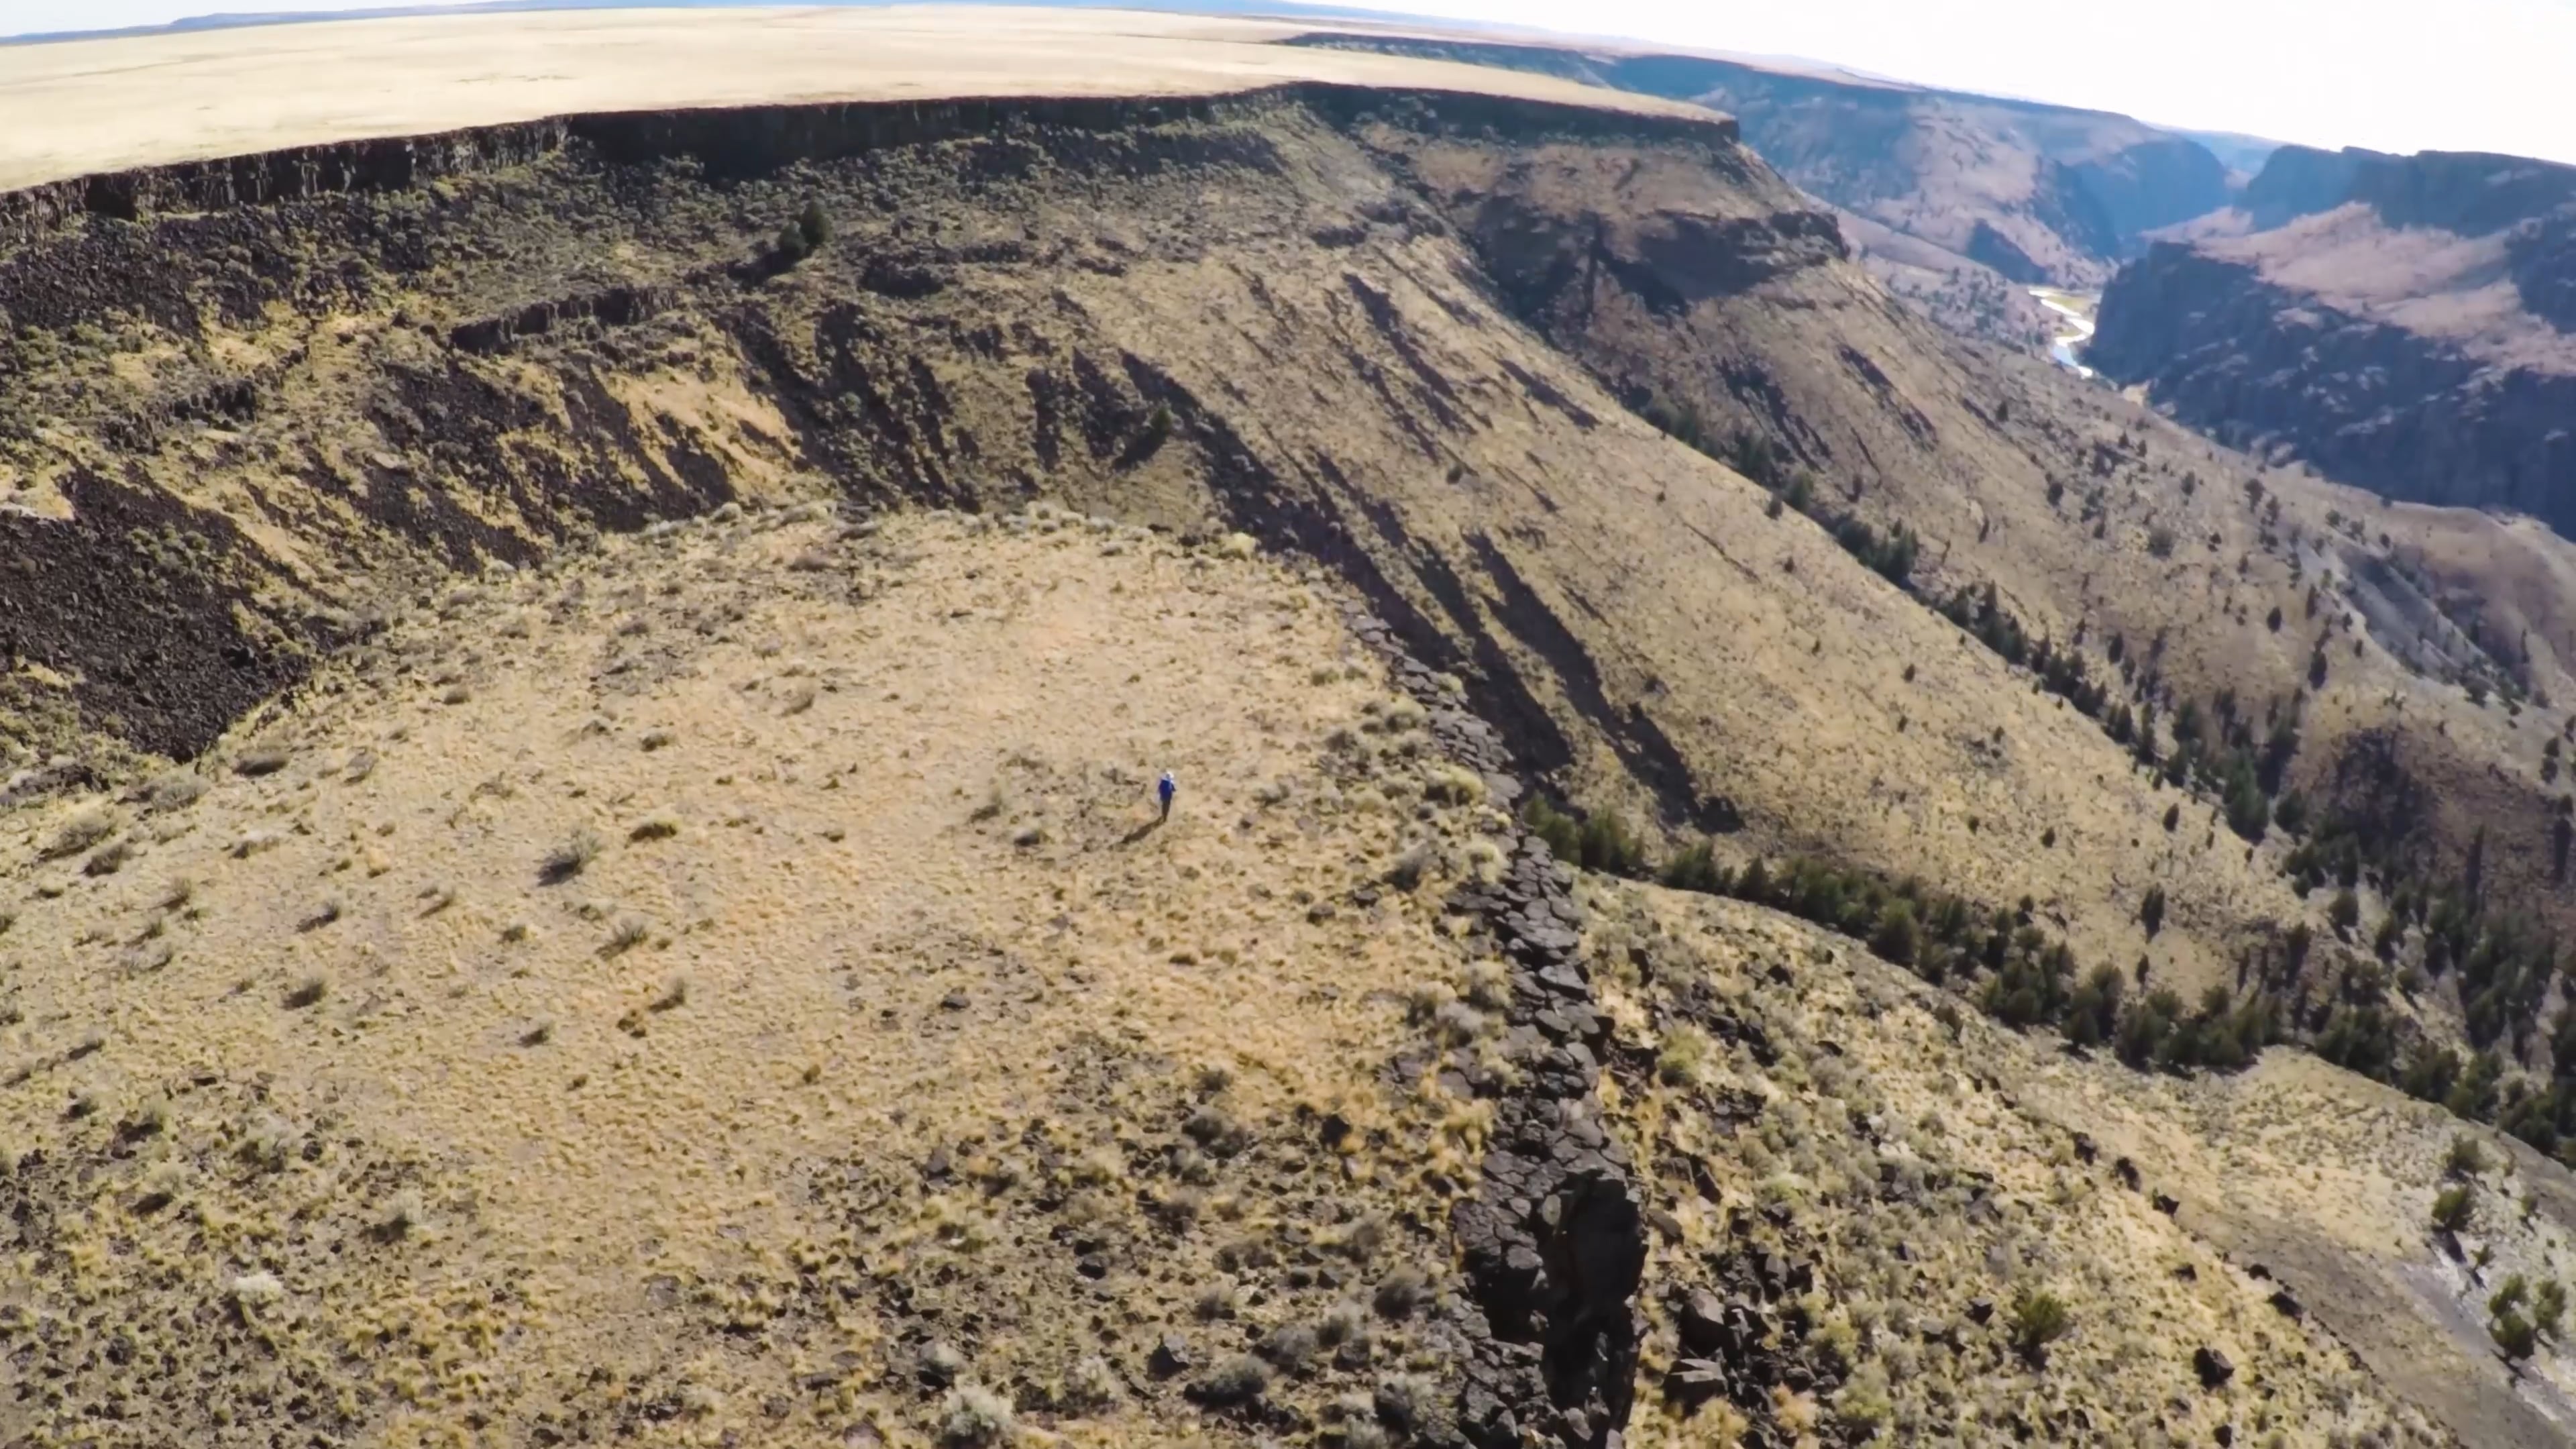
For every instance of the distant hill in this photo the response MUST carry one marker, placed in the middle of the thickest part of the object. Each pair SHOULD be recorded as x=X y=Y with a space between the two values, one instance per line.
x=2242 y=154
x=2406 y=323
x=234 y=20
x=2000 y=191
x=2030 y=191
x=592 y=604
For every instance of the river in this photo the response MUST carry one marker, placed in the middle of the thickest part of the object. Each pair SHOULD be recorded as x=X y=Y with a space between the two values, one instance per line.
x=2074 y=314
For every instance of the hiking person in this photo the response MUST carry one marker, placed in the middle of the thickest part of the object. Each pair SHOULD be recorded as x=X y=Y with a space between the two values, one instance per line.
x=1166 y=788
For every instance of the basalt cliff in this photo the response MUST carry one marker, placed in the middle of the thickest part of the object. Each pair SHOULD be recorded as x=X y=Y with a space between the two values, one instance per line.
x=584 y=682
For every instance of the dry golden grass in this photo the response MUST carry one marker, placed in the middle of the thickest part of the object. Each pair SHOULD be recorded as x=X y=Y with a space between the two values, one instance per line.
x=885 y=1063
x=1776 y=666
x=502 y=1129
x=735 y=983
x=2329 y=1182
x=78 y=107
x=1924 y=1168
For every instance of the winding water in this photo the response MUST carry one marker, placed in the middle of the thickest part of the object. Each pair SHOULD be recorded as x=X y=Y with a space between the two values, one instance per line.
x=2074 y=313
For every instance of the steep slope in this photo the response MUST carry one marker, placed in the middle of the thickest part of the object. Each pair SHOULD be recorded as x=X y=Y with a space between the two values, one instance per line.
x=1958 y=295
x=2035 y=193
x=479 y=1007
x=2404 y=323
x=1796 y=1103
x=1398 y=344
x=733 y=982
x=2275 y=642
x=1046 y=305
x=737 y=983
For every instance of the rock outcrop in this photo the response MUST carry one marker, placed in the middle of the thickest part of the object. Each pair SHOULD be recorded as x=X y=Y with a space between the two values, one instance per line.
x=2407 y=324
x=2039 y=193
x=2300 y=181
x=1553 y=1237
x=1446 y=310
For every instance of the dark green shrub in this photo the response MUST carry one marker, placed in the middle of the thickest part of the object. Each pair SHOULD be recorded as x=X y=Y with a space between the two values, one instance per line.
x=2039 y=1318
x=1682 y=422
x=2093 y=1015
x=2508 y=1296
x=2249 y=810
x=1892 y=556
x=1599 y=842
x=1753 y=455
x=2473 y=1096
x=1754 y=883
x=2455 y=1207
x=2290 y=812
x=2223 y=1034
x=1561 y=831
x=2360 y=1039
x=2032 y=986
x=1896 y=937
x=2151 y=911
x=2390 y=936
x=2430 y=1072
x=1695 y=868
x=2296 y=943
x=1605 y=845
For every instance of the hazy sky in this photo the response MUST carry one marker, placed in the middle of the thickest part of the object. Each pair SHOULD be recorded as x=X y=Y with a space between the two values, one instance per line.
x=2487 y=75
x=2468 y=75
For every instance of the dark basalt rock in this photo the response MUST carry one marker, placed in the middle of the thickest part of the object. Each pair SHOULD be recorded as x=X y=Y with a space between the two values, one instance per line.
x=1703 y=1324
x=1750 y=1339
x=1696 y=1380
x=163 y=652
x=1554 y=1237
x=328 y=228
x=614 y=307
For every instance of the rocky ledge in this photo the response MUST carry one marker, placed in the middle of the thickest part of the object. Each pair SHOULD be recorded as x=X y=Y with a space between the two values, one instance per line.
x=2267 y=368
x=1553 y=1234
